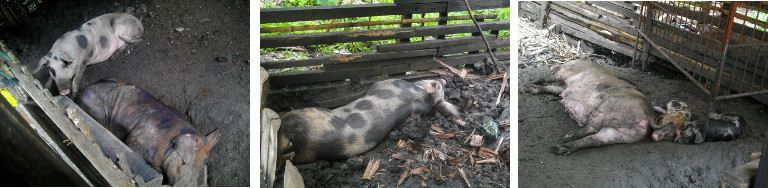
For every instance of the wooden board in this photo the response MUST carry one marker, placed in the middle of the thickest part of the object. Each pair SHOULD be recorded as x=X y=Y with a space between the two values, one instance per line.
x=503 y=42
x=377 y=34
x=431 y=44
x=612 y=6
x=104 y=166
x=336 y=59
x=275 y=15
x=352 y=72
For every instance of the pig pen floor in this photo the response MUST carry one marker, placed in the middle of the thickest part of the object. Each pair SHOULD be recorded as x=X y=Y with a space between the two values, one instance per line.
x=543 y=121
x=438 y=172
x=194 y=57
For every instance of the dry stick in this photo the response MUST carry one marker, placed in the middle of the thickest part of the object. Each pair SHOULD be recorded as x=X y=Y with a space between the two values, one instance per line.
x=488 y=46
x=503 y=85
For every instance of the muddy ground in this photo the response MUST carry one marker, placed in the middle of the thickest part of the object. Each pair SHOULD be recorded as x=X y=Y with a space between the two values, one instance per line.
x=194 y=57
x=543 y=121
x=394 y=159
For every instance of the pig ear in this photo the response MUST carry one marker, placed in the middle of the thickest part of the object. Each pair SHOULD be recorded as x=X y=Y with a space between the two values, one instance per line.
x=43 y=62
x=446 y=108
x=213 y=137
x=699 y=138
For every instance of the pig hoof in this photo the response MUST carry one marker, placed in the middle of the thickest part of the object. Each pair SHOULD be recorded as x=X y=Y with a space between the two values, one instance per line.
x=532 y=89
x=560 y=150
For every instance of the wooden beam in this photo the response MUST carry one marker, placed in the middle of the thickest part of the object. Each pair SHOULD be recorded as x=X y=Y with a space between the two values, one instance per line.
x=104 y=166
x=360 y=57
x=431 y=44
x=378 y=34
x=292 y=14
x=359 y=24
x=354 y=72
x=612 y=6
x=503 y=42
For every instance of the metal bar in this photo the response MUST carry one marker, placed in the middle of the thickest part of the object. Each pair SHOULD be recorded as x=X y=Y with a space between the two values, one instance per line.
x=729 y=25
x=673 y=62
x=741 y=95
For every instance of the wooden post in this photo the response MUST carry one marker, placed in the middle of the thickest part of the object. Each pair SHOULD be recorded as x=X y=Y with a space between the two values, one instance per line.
x=442 y=15
x=403 y=17
x=544 y=13
x=648 y=20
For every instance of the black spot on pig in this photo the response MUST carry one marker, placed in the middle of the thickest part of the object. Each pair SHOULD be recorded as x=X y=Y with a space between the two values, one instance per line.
x=89 y=23
x=383 y=93
x=82 y=41
x=66 y=63
x=405 y=94
x=602 y=86
x=355 y=120
x=401 y=84
x=347 y=110
x=56 y=58
x=375 y=133
x=331 y=151
x=363 y=105
x=103 y=41
x=112 y=22
x=90 y=54
x=49 y=55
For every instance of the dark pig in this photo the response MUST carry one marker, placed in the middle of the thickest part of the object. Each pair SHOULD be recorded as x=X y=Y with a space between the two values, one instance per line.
x=352 y=129
x=159 y=134
x=675 y=113
x=608 y=108
x=722 y=127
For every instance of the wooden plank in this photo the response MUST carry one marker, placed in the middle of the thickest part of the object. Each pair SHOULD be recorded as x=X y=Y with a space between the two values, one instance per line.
x=112 y=147
x=378 y=34
x=400 y=2
x=430 y=44
x=292 y=14
x=567 y=9
x=503 y=42
x=531 y=7
x=617 y=9
x=314 y=76
x=589 y=35
x=372 y=23
x=327 y=60
x=104 y=166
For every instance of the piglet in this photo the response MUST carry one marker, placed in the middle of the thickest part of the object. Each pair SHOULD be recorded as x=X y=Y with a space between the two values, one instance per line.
x=91 y=43
x=159 y=134
x=323 y=134
x=722 y=127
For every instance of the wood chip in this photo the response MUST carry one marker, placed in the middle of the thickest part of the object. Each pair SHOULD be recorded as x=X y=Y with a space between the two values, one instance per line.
x=396 y=155
x=371 y=169
x=463 y=175
x=406 y=174
x=487 y=153
x=419 y=170
x=477 y=141
x=461 y=122
x=452 y=172
x=463 y=73
x=446 y=135
x=470 y=136
x=434 y=127
x=487 y=161
x=499 y=145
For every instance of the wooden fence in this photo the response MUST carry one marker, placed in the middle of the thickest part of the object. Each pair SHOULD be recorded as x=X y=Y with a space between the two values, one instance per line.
x=389 y=59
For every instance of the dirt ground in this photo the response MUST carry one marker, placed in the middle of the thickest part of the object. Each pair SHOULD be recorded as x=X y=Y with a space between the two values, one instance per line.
x=194 y=57
x=543 y=121
x=394 y=160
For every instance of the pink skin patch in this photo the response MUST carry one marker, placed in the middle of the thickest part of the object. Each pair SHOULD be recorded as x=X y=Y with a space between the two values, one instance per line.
x=65 y=92
x=655 y=137
x=644 y=124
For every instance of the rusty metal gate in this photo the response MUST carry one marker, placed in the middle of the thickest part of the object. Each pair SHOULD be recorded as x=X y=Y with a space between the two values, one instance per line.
x=713 y=43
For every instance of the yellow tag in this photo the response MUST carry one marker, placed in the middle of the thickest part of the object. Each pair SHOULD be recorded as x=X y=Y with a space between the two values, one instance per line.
x=8 y=97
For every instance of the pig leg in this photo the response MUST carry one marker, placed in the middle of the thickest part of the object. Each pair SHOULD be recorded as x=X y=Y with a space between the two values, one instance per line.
x=76 y=79
x=550 y=89
x=590 y=129
x=606 y=135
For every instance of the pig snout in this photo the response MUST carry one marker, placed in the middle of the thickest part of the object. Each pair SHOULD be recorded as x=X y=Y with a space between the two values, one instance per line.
x=186 y=164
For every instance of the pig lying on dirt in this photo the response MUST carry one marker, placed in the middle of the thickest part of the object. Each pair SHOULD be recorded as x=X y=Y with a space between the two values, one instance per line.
x=675 y=113
x=157 y=133
x=610 y=109
x=352 y=129
x=722 y=127
x=93 y=42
